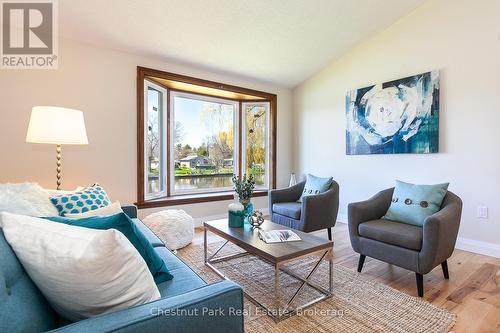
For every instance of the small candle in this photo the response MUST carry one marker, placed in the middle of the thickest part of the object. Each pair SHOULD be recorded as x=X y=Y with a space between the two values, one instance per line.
x=235 y=207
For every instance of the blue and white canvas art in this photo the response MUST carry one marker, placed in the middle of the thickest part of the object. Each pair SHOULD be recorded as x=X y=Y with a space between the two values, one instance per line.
x=396 y=117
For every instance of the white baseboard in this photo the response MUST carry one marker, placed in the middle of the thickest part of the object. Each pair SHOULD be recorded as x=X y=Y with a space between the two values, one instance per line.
x=342 y=218
x=198 y=221
x=485 y=248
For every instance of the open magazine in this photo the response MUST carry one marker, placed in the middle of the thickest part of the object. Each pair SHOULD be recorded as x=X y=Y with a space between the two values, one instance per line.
x=278 y=236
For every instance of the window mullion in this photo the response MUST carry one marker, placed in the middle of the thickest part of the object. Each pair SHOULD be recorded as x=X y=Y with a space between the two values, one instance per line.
x=240 y=139
x=167 y=140
x=157 y=128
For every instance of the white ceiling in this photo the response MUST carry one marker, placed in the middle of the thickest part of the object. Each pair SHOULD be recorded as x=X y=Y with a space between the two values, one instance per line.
x=278 y=41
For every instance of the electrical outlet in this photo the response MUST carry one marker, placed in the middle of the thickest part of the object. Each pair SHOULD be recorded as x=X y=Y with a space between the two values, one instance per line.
x=482 y=212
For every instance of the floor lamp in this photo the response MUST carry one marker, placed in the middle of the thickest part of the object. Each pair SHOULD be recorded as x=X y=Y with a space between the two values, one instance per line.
x=59 y=126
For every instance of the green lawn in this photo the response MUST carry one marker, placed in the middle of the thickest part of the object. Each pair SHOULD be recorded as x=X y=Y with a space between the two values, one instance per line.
x=181 y=172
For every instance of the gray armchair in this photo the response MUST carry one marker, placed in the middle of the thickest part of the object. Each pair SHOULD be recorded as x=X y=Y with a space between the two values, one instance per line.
x=315 y=212
x=415 y=248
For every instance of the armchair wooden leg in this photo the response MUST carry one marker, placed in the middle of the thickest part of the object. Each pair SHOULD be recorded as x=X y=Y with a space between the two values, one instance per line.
x=361 y=262
x=420 y=284
x=329 y=233
x=444 y=266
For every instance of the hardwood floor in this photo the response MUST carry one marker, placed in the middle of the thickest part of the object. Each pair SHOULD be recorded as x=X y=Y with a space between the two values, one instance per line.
x=472 y=292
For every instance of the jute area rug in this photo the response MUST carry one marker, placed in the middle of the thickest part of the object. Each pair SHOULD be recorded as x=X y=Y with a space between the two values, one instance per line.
x=357 y=305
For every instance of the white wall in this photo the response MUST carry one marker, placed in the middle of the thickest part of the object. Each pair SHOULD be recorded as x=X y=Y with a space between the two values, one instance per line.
x=462 y=40
x=102 y=83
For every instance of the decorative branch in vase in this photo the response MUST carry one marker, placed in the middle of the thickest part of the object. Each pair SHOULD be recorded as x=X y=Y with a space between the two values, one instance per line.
x=244 y=188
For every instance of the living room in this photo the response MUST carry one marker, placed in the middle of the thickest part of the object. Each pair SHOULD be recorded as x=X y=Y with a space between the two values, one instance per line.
x=164 y=105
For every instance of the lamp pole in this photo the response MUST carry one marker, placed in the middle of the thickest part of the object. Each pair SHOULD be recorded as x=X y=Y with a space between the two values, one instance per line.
x=59 y=163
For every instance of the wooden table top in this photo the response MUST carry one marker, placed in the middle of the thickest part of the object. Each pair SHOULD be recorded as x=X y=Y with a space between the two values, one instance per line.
x=247 y=238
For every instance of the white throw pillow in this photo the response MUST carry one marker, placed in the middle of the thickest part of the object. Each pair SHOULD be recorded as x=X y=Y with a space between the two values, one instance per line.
x=26 y=199
x=174 y=227
x=82 y=272
x=112 y=209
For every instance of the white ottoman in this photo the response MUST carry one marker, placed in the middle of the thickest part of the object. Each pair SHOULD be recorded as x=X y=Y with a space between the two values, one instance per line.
x=174 y=227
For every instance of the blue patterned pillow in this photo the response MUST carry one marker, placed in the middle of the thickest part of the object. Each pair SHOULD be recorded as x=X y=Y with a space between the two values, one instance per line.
x=315 y=185
x=88 y=198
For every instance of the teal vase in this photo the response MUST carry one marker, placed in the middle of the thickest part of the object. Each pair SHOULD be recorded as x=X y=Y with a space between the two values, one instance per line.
x=248 y=209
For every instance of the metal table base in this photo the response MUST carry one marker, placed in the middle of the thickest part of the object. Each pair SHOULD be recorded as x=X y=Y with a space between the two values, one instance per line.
x=281 y=310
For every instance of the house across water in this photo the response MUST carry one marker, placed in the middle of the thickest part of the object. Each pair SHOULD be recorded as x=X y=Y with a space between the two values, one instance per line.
x=197 y=162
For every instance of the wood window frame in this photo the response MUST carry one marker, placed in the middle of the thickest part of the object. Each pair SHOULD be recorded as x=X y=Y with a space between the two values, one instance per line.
x=143 y=74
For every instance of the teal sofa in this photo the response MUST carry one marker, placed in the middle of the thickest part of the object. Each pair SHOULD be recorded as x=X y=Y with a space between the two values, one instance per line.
x=188 y=303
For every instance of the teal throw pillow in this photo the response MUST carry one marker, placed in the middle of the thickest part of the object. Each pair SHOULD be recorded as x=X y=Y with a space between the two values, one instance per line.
x=126 y=226
x=315 y=185
x=88 y=198
x=412 y=204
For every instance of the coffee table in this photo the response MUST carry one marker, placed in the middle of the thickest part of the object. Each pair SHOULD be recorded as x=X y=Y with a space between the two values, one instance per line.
x=277 y=254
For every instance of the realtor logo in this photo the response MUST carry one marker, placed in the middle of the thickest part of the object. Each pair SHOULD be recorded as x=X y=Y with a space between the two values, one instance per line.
x=29 y=34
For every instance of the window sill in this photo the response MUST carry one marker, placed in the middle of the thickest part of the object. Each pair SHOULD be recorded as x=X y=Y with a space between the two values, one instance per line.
x=192 y=199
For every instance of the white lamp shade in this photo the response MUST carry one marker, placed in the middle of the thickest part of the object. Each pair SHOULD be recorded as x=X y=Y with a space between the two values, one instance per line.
x=50 y=124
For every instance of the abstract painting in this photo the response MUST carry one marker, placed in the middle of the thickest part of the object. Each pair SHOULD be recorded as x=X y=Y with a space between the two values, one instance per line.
x=396 y=117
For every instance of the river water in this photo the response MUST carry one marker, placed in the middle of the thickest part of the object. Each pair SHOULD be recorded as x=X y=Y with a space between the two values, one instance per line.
x=197 y=182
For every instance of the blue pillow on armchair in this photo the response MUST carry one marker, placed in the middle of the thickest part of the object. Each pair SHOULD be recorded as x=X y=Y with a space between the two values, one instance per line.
x=412 y=204
x=315 y=185
x=126 y=226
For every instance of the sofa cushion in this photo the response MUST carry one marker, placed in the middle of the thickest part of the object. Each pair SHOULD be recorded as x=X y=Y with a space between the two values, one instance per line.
x=88 y=198
x=83 y=272
x=288 y=209
x=127 y=227
x=110 y=209
x=26 y=199
x=394 y=233
x=185 y=279
x=23 y=308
